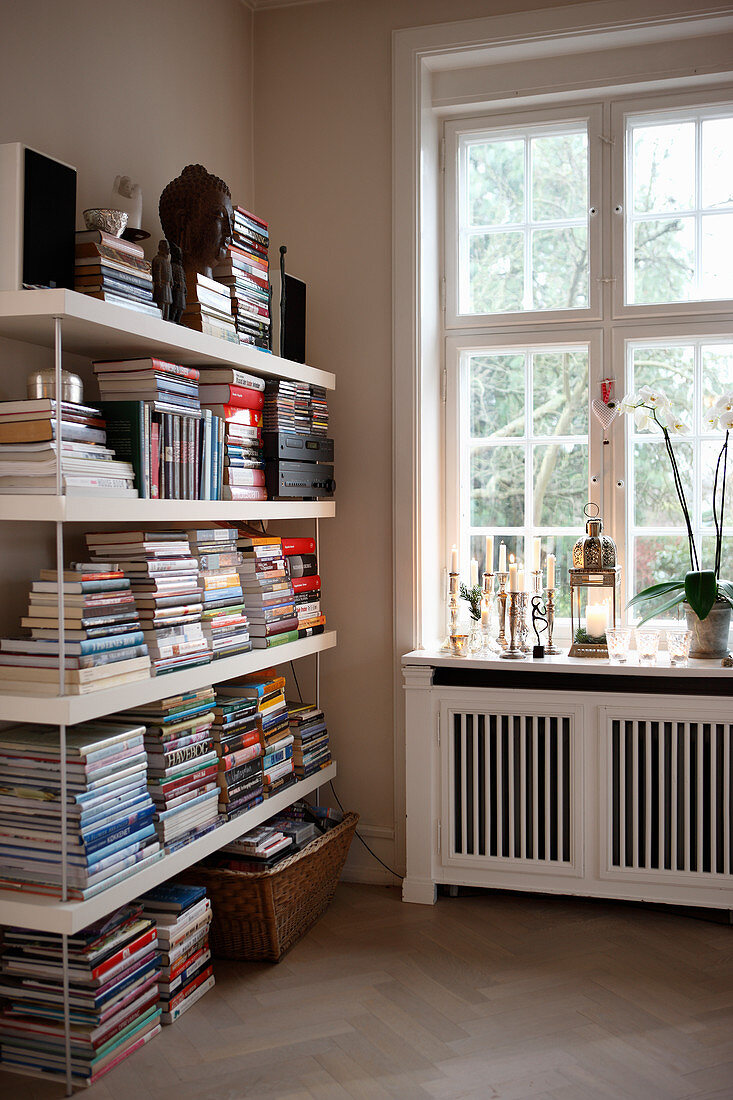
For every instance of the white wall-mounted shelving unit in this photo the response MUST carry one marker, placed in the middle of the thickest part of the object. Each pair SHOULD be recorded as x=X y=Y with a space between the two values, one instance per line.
x=72 y=323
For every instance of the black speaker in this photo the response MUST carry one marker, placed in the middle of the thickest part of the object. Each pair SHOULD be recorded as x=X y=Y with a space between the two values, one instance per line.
x=37 y=219
x=287 y=310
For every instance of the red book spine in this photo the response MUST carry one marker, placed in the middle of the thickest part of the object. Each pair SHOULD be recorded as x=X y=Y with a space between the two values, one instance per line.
x=131 y=948
x=252 y=418
x=306 y=584
x=299 y=546
x=241 y=756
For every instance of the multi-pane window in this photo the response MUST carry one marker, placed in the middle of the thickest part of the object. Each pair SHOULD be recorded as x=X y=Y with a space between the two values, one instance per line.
x=523 y=220
x=692 y=373
x=561 y=235
x=524 y=449
x=679 y=221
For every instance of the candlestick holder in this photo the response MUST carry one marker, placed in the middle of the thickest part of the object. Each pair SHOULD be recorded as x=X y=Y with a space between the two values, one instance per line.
x=456 y=642
x=536 y=582
x=550 y=612
x=514 y=652
x=487 y=608
x=502 y=598
x=539 y=615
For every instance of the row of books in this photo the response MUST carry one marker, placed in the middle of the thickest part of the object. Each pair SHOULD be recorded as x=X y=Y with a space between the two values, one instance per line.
x=148 y=781
x=147 y=603
x=114 y=270
x=139 y=968
x=244 y=275
x=30 y=451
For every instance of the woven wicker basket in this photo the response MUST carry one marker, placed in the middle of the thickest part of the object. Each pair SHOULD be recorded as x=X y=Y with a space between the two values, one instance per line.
x=261 y=914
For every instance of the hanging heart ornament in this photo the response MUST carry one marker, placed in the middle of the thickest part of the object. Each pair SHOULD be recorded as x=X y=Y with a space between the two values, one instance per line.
x=604 y=413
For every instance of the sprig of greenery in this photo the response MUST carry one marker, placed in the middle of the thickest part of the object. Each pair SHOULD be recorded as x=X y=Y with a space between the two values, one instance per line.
x=473 y=597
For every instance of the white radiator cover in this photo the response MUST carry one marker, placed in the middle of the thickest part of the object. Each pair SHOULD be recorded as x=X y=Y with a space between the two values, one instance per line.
x=620 y=796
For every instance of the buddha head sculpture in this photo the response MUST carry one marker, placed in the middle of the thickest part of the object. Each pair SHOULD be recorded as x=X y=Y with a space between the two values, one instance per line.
x=196 y=214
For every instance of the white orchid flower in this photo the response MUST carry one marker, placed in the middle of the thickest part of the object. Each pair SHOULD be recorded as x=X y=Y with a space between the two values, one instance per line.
x=710 y=419
x=726 y=421
x=655 y=397
x=642 y=418
x=724 y=404
x=629 y=403
x=672 y=422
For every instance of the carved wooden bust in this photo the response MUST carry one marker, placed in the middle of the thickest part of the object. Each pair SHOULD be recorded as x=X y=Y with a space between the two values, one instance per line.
x=196 y=214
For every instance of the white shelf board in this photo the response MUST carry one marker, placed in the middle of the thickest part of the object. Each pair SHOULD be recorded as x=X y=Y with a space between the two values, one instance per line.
x=57 y=710
x=101 y=330
x=50 y=915
x=103 y=509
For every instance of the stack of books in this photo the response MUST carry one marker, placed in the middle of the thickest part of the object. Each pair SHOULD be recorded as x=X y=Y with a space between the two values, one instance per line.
x=104 y=644
x=224 y=620
x=182 y=916
x=268 y=689
x=114 y=270
x=113 y=995
x=109 y=833
x=268 y=592
x=29 y=451
x=236 y=734
x=302 y=565
x=154 y=421
x=236 y=398
x=260 y=848
x=245 y=274
x=164 y=581
x=311 y=748
x=182 y=765
x=209 y=308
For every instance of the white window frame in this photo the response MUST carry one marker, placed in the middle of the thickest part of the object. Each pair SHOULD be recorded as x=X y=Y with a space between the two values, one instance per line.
x=511 y=123
x=709 y=101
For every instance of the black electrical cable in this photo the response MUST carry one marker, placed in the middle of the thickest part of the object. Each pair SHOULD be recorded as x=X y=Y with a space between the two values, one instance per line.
x=333 y=789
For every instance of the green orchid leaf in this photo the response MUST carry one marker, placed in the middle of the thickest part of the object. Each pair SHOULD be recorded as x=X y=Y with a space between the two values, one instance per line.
x=701 y=590
x=657 y=611
x=655 y=590
x=725 y=588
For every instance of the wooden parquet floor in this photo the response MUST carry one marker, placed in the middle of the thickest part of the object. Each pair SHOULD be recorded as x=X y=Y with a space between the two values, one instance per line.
x=491 y=996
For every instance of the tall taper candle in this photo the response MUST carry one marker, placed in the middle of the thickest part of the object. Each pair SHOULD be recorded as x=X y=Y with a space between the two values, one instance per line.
x=550 y=570
x=474 y=572
x=537 y=552
x=454 y=559
x=502 y=557
x=520 y=580
x=513 y=577
x=489 y=563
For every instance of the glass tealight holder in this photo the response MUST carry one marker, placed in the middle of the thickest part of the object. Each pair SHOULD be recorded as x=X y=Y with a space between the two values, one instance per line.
x=618 y=639
x=678 y=646
x=647 y=645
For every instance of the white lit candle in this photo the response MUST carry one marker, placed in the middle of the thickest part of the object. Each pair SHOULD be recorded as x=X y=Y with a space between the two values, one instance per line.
x=474 y=572
x=502 y=557
x=537 y=553
x=512 y=577
x=489 y=564
x=454 y=559
x=485 y=615
x=520 y=580
x=596 y=619
x=550 y=570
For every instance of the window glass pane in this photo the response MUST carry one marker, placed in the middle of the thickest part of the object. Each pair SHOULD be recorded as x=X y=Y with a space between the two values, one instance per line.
x=496 y=182
x=562 y=547
x=560 y=392
x=559 y=177
x=717 y=256
x=669 y=369
x=664 y=168
x=497 y=486
x=664 y=260
x=560 y=481
x=717 y=376
x=496 y=272
x=656 y=558
x=496 y=395
x=709 y=459
x=717 y=142
x=726 y=557
x=655 y=497
x=514 y=545
x=560 y=268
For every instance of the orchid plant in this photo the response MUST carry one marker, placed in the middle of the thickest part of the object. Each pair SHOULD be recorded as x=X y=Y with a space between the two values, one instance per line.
x=652 y=409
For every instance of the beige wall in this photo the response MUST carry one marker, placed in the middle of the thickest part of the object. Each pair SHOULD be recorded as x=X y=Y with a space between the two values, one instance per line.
x=323 y=133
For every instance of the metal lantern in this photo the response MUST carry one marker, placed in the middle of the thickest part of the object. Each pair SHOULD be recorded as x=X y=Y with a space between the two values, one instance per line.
x=594 y=567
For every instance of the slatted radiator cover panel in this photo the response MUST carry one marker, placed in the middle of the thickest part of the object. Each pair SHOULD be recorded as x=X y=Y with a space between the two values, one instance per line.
x=511 y=783
x=668 y=790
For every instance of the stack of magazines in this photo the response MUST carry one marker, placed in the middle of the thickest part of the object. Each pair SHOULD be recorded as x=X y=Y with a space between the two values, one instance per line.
x=109 y=833
x=182 y=915
x=113 y=995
